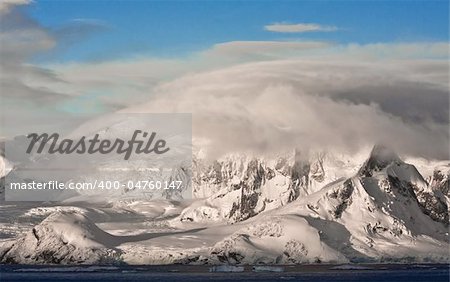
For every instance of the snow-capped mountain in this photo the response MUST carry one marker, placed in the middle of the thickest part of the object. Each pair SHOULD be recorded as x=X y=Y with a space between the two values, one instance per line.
x=238 y=187
x=385 y=211
x=298 y=207
x=383 y=193
x=407 y=180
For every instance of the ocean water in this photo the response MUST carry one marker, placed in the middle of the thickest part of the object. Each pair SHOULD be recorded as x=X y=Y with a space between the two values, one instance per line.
x=95 y=273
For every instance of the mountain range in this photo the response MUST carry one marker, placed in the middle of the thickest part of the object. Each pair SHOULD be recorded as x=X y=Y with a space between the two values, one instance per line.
x=294 y=207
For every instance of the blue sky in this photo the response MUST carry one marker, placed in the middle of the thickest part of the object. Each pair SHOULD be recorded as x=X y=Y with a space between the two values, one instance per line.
x=103 y=30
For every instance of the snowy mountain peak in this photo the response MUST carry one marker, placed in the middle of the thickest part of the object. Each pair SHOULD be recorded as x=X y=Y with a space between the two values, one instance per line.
x=380 y=157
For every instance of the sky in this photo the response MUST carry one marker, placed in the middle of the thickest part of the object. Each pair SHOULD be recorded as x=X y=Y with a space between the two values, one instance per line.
x=259 y=76
x=177 y=28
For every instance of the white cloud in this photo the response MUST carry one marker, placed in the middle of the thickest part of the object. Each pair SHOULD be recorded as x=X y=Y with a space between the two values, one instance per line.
x=138 y=77
x=6 y=5
x=270 y=106
x=309 y=98
x=267 y=49
x=298 y=28
x=348 y=99
x=22 y=38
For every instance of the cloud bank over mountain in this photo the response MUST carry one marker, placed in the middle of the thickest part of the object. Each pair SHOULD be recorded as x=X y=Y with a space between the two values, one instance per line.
x=245 y=95
x=268 y=106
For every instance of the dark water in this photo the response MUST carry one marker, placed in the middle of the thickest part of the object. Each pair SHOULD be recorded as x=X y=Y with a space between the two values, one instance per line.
x=434 y=273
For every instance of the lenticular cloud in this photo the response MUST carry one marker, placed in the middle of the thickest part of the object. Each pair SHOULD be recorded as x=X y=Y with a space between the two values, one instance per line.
x=270 y=106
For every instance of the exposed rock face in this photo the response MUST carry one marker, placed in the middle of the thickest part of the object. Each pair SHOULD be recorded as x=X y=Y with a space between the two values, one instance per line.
x=379 y=158
x=250 y=188
x=62 y=238
x=343 y=194
x=440 y=180
x=433 y=206
x=238 y=187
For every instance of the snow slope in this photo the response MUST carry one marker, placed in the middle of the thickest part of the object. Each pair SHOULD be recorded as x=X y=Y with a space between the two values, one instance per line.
x=62 y=238
x=283 y=239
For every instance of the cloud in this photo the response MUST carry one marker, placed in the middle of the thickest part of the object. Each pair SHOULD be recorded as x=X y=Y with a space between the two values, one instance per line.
x=298 y=28
x=398 y=50
x=33 y=92
x=79 y=29
x=22 y=101
x=279 y=105
x=140 y=76
x=6 y=5
x=265 y=49
x=343 y=97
